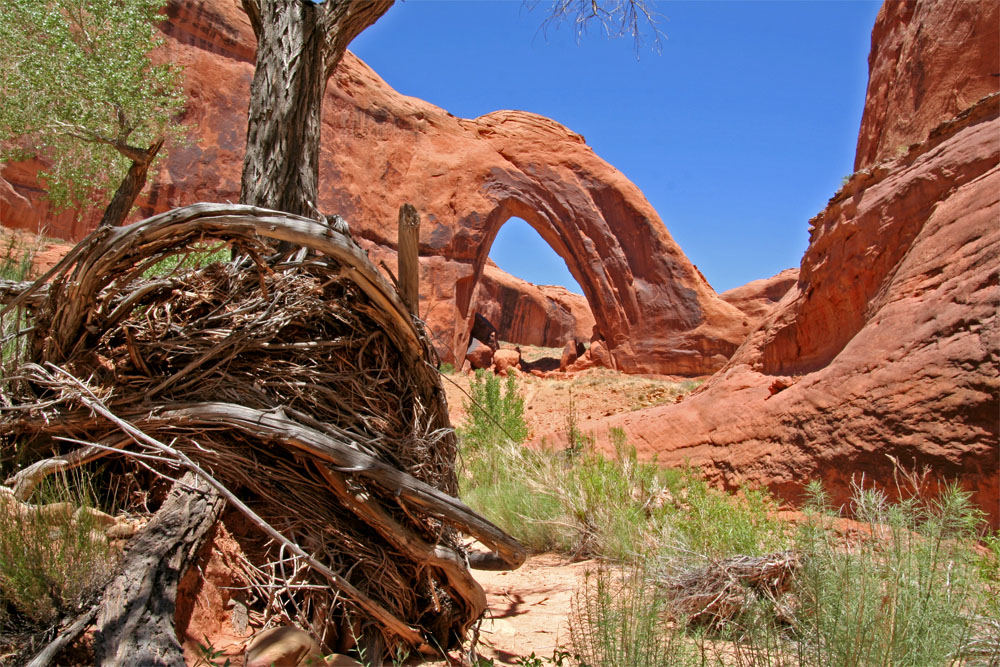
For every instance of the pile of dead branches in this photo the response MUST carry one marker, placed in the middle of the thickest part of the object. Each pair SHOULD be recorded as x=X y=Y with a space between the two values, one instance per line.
x=719 y=591
x=300 y=389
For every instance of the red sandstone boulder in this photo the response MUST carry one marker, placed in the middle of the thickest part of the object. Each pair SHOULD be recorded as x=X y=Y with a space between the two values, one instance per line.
x=283 y=646
x=599 y=354
x=596 y=356
x=479 y=355
x=506 y=358
x=571 y=352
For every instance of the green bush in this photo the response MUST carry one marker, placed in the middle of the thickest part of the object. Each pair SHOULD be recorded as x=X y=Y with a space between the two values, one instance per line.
x=16 y=261
x=52 y=558
x=907 y=592
x=714 y=524
x=495 y=414
x=620 y=618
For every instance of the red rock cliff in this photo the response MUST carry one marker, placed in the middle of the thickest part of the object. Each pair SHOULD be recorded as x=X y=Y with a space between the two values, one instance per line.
x=889 y=342
x=545 y=315
x=929 y=60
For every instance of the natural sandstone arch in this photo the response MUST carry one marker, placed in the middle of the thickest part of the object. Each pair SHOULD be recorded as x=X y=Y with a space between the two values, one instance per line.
x=656 y=311
x=465 y=177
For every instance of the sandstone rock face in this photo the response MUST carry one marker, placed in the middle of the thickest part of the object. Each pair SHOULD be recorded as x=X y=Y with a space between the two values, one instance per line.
x=484 y=331
x=758 y=298
x=888 y=344
x=526 y=314
x=929 y=61
x=572 y=351
x=465 y=177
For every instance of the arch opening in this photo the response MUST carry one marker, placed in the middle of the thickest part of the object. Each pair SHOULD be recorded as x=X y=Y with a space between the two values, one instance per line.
x=521 y=252
x=534 y=298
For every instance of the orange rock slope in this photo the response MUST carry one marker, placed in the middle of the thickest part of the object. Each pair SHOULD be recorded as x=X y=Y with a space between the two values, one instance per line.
x=888 y=344
x=466 y=177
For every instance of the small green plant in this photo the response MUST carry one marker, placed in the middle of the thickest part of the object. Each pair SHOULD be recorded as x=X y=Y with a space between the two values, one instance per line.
x=53 y=554
x=446 y=368
x=209 y=656
x=576 y=440
x=495 y=414
x=16 y=260
x=529 y=661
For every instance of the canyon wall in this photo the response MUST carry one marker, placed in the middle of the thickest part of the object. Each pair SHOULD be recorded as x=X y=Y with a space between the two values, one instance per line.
x=886 y=349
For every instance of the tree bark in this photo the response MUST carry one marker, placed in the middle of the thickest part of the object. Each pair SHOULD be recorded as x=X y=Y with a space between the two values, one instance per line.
x=136 y=617
x=298 y=46
x=131 y=186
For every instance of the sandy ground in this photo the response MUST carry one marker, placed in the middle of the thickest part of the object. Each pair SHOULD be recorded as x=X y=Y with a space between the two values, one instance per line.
x=529 y=608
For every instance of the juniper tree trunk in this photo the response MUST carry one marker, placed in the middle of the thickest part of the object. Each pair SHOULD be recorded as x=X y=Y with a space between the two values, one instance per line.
x=135 y=621
x=299 y=44
x=131 y=185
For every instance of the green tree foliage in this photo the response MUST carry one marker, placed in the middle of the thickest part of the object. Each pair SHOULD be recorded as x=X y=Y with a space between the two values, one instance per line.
x=80 y=91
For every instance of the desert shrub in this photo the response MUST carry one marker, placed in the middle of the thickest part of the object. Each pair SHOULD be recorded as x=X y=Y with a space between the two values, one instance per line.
x=446 y=368
x=502 y=483
x=51 y=558
x=496 y=471
x=711 y=524
x=15 y=260
x=619 y=618
x=496 y=414
x=907 y=592
x=614 y=505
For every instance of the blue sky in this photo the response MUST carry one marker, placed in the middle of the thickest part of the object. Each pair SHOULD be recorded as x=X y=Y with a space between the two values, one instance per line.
x=738 y=131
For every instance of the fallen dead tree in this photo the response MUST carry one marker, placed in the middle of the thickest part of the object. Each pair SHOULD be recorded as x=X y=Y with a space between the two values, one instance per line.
x=721 y=590
x=301 y=391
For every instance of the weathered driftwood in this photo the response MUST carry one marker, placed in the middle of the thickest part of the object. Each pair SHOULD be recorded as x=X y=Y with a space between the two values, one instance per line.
x=350 y=461
x=135 y=620
x=303 y=390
